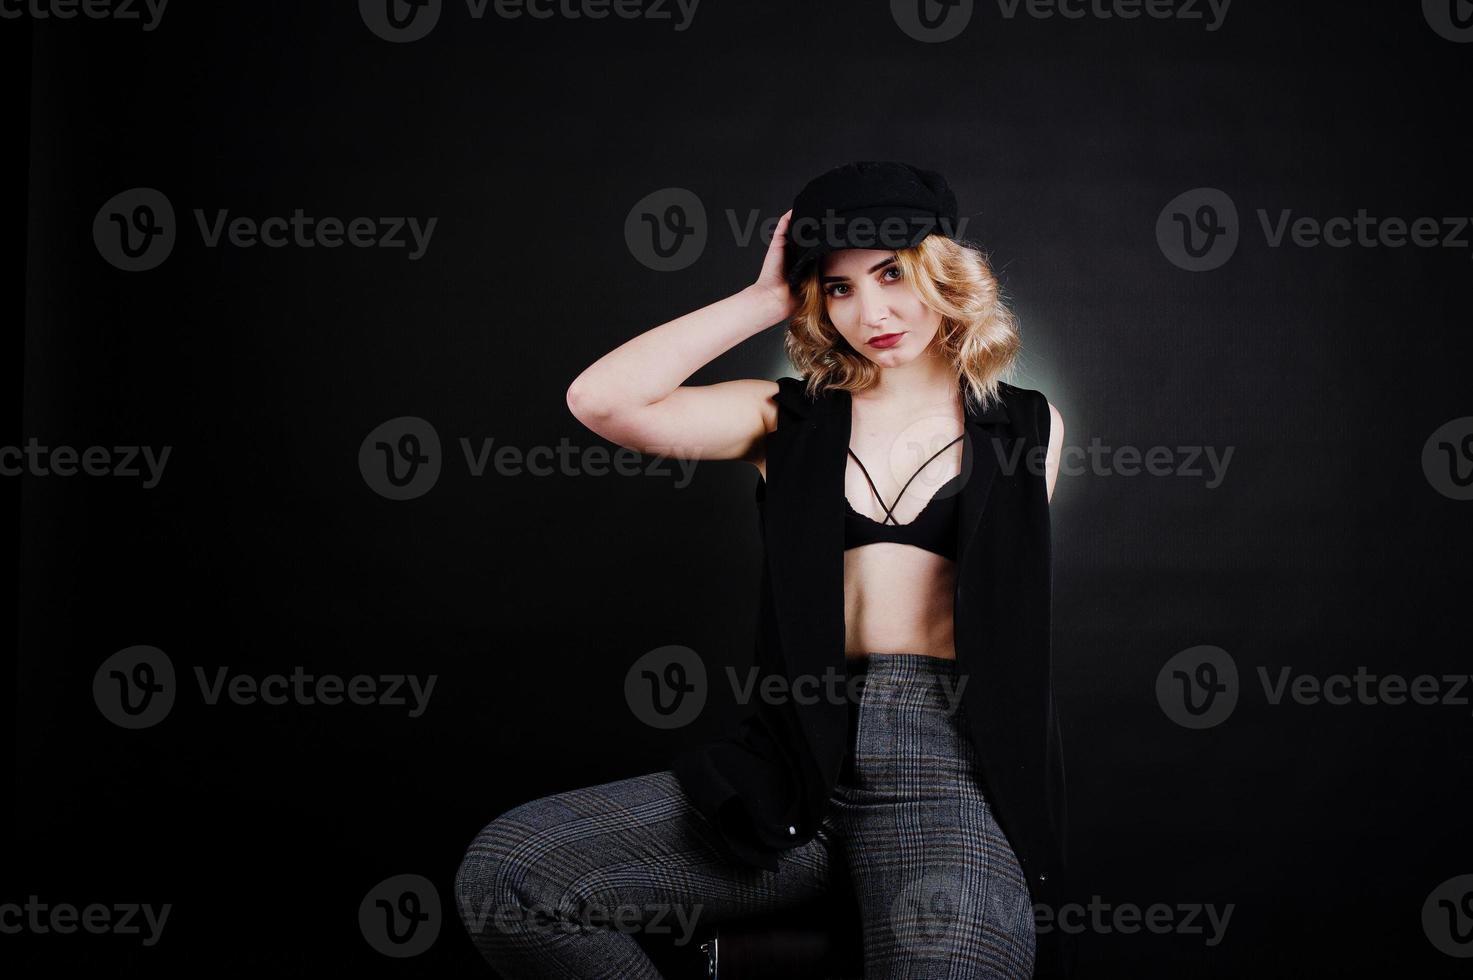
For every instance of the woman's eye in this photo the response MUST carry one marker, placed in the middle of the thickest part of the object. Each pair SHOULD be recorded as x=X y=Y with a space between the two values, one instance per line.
x=897 y=276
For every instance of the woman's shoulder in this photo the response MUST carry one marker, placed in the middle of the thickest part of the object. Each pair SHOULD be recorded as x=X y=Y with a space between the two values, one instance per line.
x=792 y=394
x=1017 y=393
x=1029 y=404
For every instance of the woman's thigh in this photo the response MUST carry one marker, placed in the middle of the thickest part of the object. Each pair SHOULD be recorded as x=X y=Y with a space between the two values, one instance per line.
x=633 y=855
x=941 y=892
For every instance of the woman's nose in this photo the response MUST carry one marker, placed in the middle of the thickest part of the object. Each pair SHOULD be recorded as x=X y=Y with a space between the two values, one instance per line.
x=872 y=309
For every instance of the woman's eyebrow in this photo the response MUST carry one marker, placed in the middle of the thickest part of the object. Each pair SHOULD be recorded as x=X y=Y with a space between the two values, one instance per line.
x=872 y=269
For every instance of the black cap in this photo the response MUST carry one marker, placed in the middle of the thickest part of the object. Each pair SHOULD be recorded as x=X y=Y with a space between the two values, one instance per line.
x=866 y=205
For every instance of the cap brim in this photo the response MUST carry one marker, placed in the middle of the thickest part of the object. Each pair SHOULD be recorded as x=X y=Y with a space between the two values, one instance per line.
x=921 y=224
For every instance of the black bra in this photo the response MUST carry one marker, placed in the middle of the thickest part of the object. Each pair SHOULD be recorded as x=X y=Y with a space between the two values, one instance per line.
x=933 y=529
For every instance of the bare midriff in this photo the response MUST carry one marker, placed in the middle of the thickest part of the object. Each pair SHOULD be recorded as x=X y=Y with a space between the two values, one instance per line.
x=898 y=599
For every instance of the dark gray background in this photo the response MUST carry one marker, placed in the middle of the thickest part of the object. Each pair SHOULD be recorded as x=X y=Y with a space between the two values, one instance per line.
x=262 y=548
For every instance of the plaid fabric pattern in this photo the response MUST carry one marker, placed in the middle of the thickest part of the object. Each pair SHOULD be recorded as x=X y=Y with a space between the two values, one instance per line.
x=941 y=894
x=557 y=887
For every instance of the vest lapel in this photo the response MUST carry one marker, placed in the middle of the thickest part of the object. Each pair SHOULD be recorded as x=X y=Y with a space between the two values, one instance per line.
x=981 y=450
x=803 y=522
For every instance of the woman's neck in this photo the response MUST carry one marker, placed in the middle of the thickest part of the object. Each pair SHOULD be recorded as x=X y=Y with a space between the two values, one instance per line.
x=925 y=381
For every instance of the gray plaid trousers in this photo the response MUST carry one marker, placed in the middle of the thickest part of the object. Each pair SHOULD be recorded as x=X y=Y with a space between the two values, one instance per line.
x=556 y=887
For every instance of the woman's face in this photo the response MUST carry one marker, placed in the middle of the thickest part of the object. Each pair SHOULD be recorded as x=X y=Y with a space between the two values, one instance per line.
x=868 y=299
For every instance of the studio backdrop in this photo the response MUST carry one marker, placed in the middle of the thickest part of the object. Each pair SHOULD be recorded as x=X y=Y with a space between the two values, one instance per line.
x=319 y=573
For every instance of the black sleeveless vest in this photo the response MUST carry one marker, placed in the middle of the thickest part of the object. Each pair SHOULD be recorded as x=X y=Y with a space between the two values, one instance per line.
x=765 y=786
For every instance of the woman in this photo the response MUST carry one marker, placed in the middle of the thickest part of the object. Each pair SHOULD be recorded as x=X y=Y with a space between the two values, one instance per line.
x=933 y=784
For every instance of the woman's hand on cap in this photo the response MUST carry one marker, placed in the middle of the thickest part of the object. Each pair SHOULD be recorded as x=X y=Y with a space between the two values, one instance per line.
x=771 y=280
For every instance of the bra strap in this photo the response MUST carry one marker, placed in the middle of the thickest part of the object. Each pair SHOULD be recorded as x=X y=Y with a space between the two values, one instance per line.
x=872 y=486
x=889 y=511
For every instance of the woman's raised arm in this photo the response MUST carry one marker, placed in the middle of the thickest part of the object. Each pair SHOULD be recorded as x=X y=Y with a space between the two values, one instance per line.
x=632 y=396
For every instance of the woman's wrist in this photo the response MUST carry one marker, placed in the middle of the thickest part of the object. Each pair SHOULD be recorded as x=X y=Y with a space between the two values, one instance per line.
x=771 y=304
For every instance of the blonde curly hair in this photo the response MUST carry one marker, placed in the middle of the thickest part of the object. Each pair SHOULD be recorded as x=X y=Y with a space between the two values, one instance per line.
x=978 y=333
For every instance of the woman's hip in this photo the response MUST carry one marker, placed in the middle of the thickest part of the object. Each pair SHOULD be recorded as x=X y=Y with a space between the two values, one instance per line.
x=908 y=733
